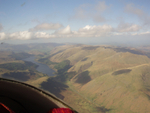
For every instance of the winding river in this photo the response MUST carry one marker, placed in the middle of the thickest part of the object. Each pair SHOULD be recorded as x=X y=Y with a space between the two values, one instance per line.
x=41 y=67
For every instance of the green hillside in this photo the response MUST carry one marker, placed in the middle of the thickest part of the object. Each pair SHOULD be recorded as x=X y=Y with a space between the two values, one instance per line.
x=111 y=78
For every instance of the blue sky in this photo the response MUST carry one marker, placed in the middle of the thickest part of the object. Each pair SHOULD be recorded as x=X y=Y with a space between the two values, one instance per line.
x=75 y=21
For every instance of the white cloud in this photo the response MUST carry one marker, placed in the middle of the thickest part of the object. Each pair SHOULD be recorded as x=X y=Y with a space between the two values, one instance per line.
x=116 y=33
x=87 y=31
x=2 y=36
x=100 y=31
x=64 y=31
x=46 y=26
x=104 y=28
x=43 y=35
x=27 y=35
x=24 y=35
x=94 y=31
x=127 y=27
x=142 y=33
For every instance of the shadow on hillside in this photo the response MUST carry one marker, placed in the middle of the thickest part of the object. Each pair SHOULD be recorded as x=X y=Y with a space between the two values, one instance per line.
x=102 y=109
x=84 y=59
x=90 y=48
x=122 y=71
x=85 y=66
x=19 y=66
x=54 y=87
x=20 y=56
x=22 y=76
x=65 y=77
x=55 y=53
x=122 y=49
x=146 y=91
x=83 y=78
x=138 y=52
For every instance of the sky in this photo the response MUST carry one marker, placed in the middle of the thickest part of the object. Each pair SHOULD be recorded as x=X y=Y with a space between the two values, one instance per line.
x=75 y=21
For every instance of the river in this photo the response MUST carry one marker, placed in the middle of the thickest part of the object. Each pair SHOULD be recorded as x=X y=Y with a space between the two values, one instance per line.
x=41 y=67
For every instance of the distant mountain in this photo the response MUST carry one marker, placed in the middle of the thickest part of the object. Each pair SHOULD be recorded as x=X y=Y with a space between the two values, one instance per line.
x=114 y=79
x=28 y=47
x=144 y=48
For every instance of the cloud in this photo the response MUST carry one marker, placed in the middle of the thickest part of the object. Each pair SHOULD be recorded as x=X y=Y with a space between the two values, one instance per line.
x=43 y=35
x=81 y=12
x=24 y=35
x=46 y=26
x=2 y=36
x=64 y=31
x=88 y=11
x=87 y=31
x=99 y=9
x=98 y=18
x=100 y=31
x=132 y=9
x=1 y=27
x=127 y=27
x=103 y=28
x=27 y=35
x=101 y=6
x=142 y=33
x=94 y=31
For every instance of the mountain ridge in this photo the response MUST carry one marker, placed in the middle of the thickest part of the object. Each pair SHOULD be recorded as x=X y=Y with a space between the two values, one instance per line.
x=103 y=71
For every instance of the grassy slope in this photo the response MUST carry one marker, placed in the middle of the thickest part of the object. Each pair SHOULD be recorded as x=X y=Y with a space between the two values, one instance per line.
x=126 y=92
x=72 y=98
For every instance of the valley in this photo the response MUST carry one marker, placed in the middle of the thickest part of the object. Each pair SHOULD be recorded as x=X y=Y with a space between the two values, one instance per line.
x=90 y=79
x=110 y=78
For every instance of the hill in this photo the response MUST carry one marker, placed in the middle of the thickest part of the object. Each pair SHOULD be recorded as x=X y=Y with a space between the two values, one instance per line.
x=112 y=79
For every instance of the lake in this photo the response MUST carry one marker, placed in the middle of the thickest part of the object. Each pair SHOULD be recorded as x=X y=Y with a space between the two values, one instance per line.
x=41 y=67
